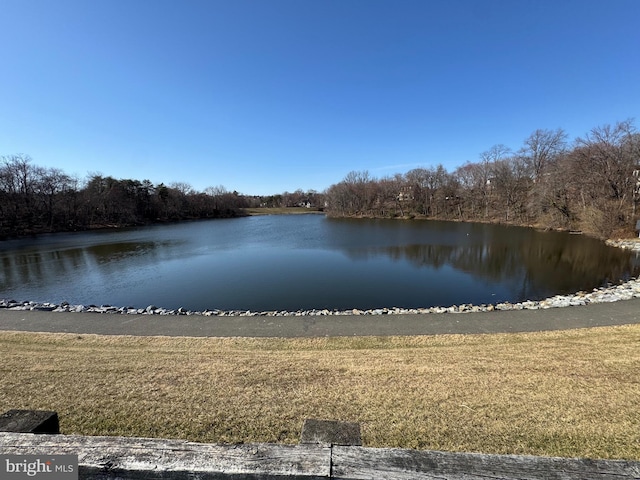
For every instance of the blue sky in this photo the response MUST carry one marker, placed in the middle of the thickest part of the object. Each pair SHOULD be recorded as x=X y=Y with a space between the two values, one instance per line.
x=267 y=96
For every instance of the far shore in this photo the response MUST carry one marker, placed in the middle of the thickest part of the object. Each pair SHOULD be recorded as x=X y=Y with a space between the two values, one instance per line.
x=317 y=210
x=281 y=211
x=255 y=211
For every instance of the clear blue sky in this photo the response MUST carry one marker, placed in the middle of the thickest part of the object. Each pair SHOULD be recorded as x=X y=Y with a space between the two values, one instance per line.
x=266 y=96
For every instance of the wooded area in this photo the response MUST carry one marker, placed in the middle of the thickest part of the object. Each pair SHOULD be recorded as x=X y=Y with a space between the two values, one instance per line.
x=591 y=186
x=35 y=199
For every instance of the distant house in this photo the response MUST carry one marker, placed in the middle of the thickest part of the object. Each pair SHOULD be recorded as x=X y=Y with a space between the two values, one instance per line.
x=405 y=194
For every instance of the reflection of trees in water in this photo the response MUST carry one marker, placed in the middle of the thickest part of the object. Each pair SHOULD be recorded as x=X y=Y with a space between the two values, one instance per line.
x=42 y=266
x=530 y=269
x=108 y=252
x=580 y=265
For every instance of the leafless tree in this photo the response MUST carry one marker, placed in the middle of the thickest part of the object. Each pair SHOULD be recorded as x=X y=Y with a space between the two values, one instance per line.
x=511 y=184
x=606 y=158
x=541 y=149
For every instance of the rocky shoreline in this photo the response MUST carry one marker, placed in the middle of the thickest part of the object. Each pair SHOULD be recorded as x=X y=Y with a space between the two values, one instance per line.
x=611 y=293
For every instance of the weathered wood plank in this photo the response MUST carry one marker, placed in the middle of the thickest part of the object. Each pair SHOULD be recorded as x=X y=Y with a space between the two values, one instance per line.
x=144 y=458
x=354 y=463
x=141 y=458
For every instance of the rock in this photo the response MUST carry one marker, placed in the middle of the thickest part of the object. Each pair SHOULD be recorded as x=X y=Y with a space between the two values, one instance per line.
x=44 y=308
x=610 y=293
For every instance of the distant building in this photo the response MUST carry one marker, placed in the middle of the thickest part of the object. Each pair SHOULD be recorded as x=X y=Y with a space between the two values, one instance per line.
x=405 y=193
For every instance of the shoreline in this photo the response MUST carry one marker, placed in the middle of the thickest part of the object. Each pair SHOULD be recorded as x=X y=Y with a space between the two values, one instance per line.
x=611 y=293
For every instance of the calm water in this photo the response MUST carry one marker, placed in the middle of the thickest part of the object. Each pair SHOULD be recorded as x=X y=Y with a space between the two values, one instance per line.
x=305 y=262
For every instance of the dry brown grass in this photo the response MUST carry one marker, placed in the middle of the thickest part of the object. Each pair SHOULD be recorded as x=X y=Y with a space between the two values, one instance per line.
x=573 y=393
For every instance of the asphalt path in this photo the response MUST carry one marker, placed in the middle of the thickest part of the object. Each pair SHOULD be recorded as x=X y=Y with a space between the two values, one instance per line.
x=595 y=315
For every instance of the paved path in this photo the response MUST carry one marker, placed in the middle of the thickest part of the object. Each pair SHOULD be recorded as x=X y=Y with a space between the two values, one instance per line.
x=602 y=314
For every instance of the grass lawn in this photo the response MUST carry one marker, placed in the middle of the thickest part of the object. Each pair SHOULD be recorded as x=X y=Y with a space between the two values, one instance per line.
x=573 y=393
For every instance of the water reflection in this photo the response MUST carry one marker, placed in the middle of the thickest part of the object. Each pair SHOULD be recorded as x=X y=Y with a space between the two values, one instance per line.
x=37 y=267
x=533 y=270
x=303 y=262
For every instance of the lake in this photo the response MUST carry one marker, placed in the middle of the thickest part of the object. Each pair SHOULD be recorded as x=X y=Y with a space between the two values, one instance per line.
x=303 y=262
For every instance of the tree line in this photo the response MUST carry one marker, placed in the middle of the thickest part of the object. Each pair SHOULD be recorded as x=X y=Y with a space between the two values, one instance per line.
x=591 y=185
x=35 y=199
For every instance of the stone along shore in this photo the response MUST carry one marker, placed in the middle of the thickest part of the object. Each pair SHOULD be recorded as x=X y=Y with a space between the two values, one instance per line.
x=610 y=293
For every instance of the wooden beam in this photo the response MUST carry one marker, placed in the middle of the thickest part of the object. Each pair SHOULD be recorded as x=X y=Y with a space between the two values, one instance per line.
x=356 y=463
x=145 y=458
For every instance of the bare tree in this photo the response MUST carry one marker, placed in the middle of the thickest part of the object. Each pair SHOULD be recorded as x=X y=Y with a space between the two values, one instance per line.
x=486 y=167
x=338 y=201
x=541 y=149
x=53 y=183
x=183 y=187
x=606 y=158
x=511 y=184
x=360 y=191
x=18 y=183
